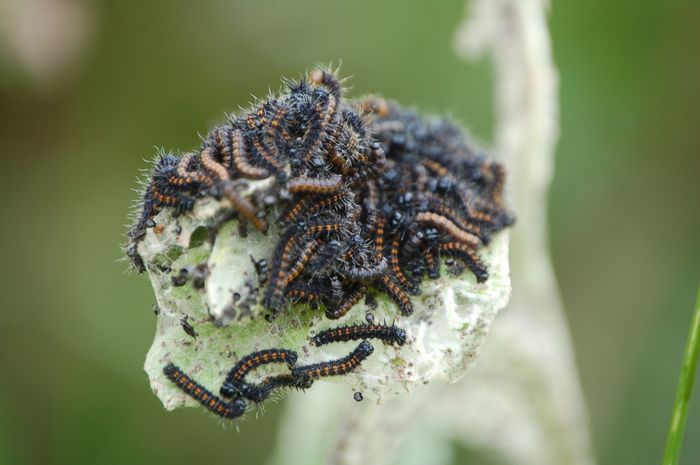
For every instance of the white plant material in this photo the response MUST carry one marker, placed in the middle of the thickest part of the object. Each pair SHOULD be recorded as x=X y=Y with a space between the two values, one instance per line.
x=527 y=380
x=444 y=334
x=523 y=400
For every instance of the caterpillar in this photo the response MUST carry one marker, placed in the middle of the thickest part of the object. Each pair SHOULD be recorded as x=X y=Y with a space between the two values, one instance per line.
x=335 y=367
x=387 y=334
x=211 y=402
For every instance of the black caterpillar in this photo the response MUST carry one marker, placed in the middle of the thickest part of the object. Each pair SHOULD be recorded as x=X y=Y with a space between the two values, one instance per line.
x=387 y=334
x=211 y=402
x=374 y=195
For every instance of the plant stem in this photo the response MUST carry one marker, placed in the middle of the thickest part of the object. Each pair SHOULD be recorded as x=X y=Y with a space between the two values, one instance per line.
x=676 y=431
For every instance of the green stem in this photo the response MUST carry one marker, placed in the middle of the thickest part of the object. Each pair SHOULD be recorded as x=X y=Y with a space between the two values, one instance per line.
x=685 y=389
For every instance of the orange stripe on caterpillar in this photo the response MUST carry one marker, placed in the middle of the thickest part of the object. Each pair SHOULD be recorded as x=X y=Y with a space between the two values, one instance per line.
x=309 y=185
x=448 y=227
x=244 y=207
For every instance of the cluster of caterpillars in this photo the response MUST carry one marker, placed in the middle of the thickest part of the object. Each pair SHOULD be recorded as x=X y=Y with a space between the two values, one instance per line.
x=236 y=392
x=371 y=195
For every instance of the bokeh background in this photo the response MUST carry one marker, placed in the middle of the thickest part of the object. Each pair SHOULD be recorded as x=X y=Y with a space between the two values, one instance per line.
x=88 y=90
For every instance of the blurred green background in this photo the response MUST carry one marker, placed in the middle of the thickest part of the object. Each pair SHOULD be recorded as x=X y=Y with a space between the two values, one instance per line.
x=88 y=90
